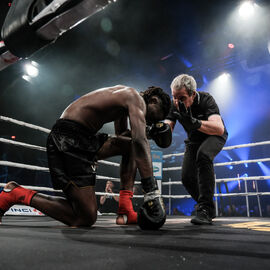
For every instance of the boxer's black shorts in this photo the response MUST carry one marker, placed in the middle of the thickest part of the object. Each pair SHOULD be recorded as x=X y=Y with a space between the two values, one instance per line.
x=71 y=151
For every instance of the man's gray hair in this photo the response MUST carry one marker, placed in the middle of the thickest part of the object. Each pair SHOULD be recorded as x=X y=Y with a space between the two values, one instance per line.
x=184 y=80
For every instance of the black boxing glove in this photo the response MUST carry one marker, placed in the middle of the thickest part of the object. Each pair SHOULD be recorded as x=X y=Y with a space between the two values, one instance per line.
x=152 y=214
x=161 y=133
x=184 y=116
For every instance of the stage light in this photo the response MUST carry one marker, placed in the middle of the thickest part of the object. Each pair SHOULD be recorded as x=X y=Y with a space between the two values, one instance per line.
x=224 y=77
x=222 y=89
x=13 y=137
x=246 y=165
x=31 y=69
x=231 y=167
x=230 y=45
x=26 y=78
x=246 y=10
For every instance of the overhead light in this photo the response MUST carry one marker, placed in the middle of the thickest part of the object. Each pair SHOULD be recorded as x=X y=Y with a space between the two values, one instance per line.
x=31 y=69
x=224 y=77
x=246 y=10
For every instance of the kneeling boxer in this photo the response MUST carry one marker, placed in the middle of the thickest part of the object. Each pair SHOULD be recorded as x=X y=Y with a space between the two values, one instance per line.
x=74 y=145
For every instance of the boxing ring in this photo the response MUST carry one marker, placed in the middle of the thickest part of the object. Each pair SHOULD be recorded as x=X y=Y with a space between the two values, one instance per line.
x=232 y=242
x=169 y=183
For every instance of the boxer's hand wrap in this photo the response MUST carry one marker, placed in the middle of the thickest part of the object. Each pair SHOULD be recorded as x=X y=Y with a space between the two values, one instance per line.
x=161 y=133
x=152 y=214
x=184 y=116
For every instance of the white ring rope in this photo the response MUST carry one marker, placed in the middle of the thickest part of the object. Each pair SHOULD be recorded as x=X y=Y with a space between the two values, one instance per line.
x=218 y=195
x=44 y=169
x=225 y=163
x=224 y=148
x=31 y=146
x=223 y=180
x=21 y=123
x=60 y=191
x=142 y=196
x=36 y=147
x=24 y=166
x=3 y=118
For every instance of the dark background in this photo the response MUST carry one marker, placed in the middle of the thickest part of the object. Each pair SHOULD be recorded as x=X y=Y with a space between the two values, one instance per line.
x=142 y=43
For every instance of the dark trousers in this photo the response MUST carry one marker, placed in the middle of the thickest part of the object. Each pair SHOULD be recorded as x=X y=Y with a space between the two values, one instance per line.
x=198 y=172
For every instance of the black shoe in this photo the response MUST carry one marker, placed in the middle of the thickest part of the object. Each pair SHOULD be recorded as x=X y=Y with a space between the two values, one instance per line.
x=202 y=217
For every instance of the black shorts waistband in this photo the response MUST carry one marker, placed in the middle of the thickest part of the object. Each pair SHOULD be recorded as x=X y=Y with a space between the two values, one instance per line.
x=71 y=126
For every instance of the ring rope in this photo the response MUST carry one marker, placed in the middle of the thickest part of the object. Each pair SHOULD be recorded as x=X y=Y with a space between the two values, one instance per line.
x=24 y=166
x=224 y=163
x=163 y=196
x=60 y=191
x=21 y=123
x=225 y=148
x=31 y=146
x=223 y=180
x=218 y=195
x=36 y=147
x=44 y=169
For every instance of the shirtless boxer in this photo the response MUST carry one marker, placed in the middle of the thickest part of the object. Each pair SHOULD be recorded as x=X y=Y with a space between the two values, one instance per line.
x=74 y=145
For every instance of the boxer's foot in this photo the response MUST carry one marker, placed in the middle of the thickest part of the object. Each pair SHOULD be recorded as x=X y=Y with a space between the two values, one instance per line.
x=126 y=214
x=126 y=219
x=12 y=194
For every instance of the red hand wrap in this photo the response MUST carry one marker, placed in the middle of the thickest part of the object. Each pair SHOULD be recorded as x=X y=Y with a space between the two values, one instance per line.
x=17 y=195
x=125 y=206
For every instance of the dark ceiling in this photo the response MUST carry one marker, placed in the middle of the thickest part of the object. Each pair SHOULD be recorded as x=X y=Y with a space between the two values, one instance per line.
x=150 y=42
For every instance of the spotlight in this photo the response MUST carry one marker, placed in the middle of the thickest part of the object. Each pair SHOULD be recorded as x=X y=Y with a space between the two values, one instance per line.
x=31 y=69
x=224 y=77
x=230 y=45
x=27 y=78
x=246 y=10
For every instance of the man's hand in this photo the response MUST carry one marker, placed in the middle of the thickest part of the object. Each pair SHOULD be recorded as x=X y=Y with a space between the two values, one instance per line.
x=184 y=116
x=108 y=190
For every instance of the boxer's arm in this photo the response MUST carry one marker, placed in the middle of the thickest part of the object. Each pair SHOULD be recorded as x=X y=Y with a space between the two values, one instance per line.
x=213 y=126
x=120 y=125
x=140 y=144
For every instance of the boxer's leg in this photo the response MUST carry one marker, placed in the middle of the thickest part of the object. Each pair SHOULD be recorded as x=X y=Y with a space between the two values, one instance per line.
x=79 y=209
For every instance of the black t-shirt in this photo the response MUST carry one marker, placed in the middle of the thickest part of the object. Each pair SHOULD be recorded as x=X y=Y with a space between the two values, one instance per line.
x=203 y=106
x=110 y=205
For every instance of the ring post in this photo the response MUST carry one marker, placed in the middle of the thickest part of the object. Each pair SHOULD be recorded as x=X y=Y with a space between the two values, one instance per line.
x=216 y=197
x=246 y=191
x=170 y=193
x=258 y=198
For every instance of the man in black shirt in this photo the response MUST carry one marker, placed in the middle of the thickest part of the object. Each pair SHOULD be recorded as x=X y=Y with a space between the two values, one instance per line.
x=108 y=203
x=199 y=115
